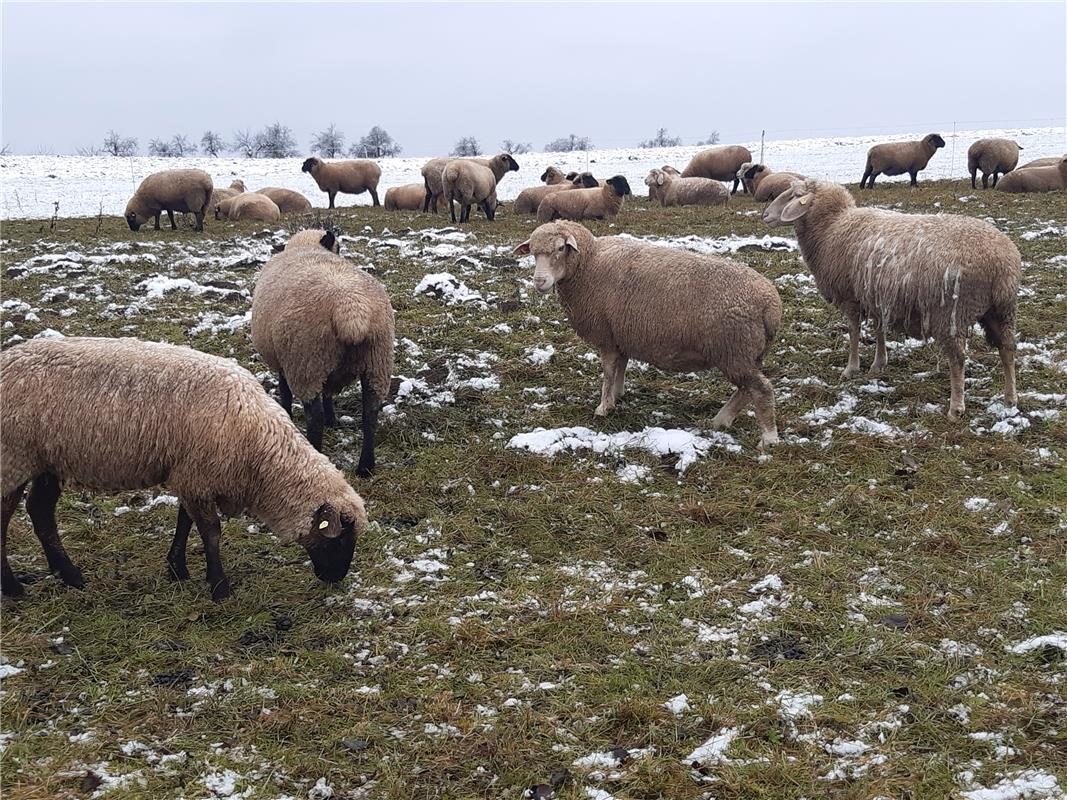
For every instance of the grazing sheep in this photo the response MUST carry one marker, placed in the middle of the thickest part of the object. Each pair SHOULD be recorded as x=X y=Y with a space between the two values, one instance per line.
x=671 y=308
x=718 y=163
x=993 y=157
x=122 y=414
x=896 y=158
x=346 y=177
x=1051 y=161
x=468 y=185
x=404 y=198
x=765 y=184
x=529 y=199
x=218 y=195
x=248 y=205
x=676 y=191
x=288 y=201
x=1036 y=179
x=924 y=275
x=578 y=204
x=500 y=164
x=320 y=322
x=182 y=190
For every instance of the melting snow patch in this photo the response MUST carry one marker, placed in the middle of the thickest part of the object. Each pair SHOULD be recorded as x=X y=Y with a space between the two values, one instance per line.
x=540 y=355
x=796 y=705
x=713 y=751
x=820 y=416
x=1030 y=784
x=633 y=473
x=678 y=705
x=446 y=286
x=977 y=504
x=7 y=670
x=1058 y=639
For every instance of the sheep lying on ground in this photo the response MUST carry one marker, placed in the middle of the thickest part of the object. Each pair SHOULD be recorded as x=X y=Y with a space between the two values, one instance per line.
x=404 y=198
x=529 y=199
x=122 y=414
x=470 y=180
x=676 y=191
x=346 y=177
x=654 y=189
x=1051 y=161
x=288 y=201
x=552 y=176
x=676 y=310
x=182 y=190
x=924 y=275
x=500 y=165
x=218 y=195
x=248 y=205
x=896 y=158
x=320 y=322
x=718 y=163
x=766 y=184
x=577 y=204
x=993 y=157
x=1036 y=179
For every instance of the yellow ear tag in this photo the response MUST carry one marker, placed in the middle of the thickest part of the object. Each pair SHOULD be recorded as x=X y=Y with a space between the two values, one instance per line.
x=324 y=524
x=803 y=201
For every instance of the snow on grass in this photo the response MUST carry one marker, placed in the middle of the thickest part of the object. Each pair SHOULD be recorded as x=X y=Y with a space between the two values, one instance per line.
x=678 y=705
x=1030 y=784
x=1057 y=640
x=713 y=751
x=447 y=287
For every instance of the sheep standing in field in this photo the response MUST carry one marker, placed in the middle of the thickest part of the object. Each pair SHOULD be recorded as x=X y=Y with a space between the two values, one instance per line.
x=500 y=164
x=248 y=206
x=765 y=184
x=288 y=201
x=992 y=156
x=676 y=310
x=182 y=190
x=320 y=322
x=1036 y=179
x=529 y=199
x=924 y=275
x=718 y=163
x=346 y=177
x=121 y=414
x=676 y=191
x=601 y=203
x=896 y=158
x=474 y=180
x=404 y=198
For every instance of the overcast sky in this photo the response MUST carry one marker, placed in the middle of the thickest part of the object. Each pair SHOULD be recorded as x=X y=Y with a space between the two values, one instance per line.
x=431 y=73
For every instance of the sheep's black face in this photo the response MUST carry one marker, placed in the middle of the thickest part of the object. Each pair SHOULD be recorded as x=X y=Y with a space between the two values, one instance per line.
x=308 y=164
x=619 y=184
x=131 y=220
x=937 y=141
x=331 y=558
x=750 y=173
x=513 y=165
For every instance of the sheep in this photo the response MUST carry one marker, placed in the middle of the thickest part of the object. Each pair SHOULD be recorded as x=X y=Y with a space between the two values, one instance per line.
x=577 y=204
x=529 y=199
x=718 y=163
x=500 y=164
x=314 y=237
x=183 y=190
x=320 y=322
x=671 y=308
x=461 y=182
x=924 y=275
x=346 y=177
x=896 y=158
x=654 y=190
x=1041 y=162
x=677 y=191
x=993 y=157
x=123 y=414
x=404 y=198
x=248 y=205
x=218 y=195
x=765 y=184
x=288 y=201
x=552 y=176
x=1036 y=179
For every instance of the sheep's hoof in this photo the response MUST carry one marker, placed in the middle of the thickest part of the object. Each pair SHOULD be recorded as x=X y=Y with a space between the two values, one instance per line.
x=850 y=372
x=12 y=588
x=71 y=576
x=602 y=410
x=177 y=572
x=769 y=440
x=221 y=590
x=876 y=368
x=955 y=412
x=364 y=472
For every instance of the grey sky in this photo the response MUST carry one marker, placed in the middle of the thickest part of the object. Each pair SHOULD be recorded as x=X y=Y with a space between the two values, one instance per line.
x=432 y=73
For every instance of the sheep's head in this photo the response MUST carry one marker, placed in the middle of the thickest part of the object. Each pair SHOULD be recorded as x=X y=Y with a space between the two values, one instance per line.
x=571 y=176
x=218 y=211
x=792 y=204
x=935 y=140
x=587 y=181
x=511 y=163
x=310 y=164
x=619 y=185
x=657 y=177
x=315 y=238
x=135 y=220
x=670 y=170
x=551 y=176
x=753 y=170
x=331 y=542
x=556 y=253
x=238 y=186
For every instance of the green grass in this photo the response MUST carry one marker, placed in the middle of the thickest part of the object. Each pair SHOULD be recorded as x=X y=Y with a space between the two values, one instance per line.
x=599 y=587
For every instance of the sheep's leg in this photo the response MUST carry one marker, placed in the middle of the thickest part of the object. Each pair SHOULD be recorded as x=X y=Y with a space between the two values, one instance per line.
x=985 y=181
x=41 y=505
x=170 y=216
x=452 y=210
x=199 y=221
x=728 y=413
x=426 y=201
x=880 y=357
x=490 y=214
x=316 y=418
x=332 y=196
x=914 y=178
x=954 y=351
x=974 y=178
x=157 y=215
x=207 y=522
x=9 y=584
x=374 y=196
x=854 y=317
x=1002 y=336
x=371 y=405
x=177 y=569
x=866 y=175
x=996 y=177
x=327 y=410
x=285 y=394
x=609 y=362
x=620 y=377
x=762 y=393
x=734 y=190
x=870 y=180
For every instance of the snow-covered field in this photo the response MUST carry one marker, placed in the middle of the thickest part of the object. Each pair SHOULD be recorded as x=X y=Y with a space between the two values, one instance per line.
x=87 y=186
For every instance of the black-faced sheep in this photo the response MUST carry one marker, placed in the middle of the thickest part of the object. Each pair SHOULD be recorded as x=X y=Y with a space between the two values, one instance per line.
x=530 y=198
x=896 y=158
x=346 y=177
x=1036 y=179
x=578 y=204
x=765 y=184
x=500 y=164
x=467 y=183
x=992 y=156
x=182 y=190
x=718 y=163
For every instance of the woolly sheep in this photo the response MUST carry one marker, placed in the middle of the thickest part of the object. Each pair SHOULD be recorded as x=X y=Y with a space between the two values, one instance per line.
x=288 y=201
x=578 y=204
x=314 y=237
x=552 y=176
x=404 y=198
x=182 y=190
x=765 y=184
x=718 y=163
x=993 y=157
x=924 y=275
x=529 y=199
x=653 y=189
x=218 y=195
x=469 y=180
x=248 y=205
x=123 y=414
x=1041 y=162
x=677 y=310
x=896 y=158
x=500 y=164
x=346 y=177
x=677 y=191
x=1036 y=179
x=320 y=322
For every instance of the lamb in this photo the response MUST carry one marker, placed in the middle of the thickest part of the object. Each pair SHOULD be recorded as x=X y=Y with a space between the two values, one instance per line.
x=1041 y=162
x=896 y=158
x=460 y=181
x=320 y=322
x=718 y=163
x=924 y=275
x=404 y=198
x=248 y=205
x=578 y=204
x=218 y=195
x=765 y=184
x=182 y=190
x=346 y=177
x=671 y=308
x=123 y=414
x=529 y=199
x=288 y=201
x=1036 y=179
x=993 y=157
x=500 y=164
x=677 y=191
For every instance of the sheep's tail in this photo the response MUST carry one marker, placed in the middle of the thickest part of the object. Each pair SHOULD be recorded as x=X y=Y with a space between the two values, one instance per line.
x=772 y=319
x=1001 y=310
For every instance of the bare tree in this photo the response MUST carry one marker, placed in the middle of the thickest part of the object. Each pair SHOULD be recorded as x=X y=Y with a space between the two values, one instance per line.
x=160 y=148
x=515 y=148
x=467 y=147
x=5 y=150
x=117 y=145
x=329 y=143
x=661 y=139
x=376 y=144
x=181 y=146
x=567 y=144
x=244 y=142
x=89 y=150
x=211 y=143
x=712 y=139
x=276 y=141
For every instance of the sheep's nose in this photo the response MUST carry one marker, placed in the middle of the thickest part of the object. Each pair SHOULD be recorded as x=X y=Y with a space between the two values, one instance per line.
x=539 y=282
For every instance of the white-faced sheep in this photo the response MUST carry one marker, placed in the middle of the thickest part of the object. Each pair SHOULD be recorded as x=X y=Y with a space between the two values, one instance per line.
x=404 y=198
x=346 y=177
x=470 y=180
x=218 y=195
x=500 y=164
x=765 y=184
x=718 y=163
x=673 y=190
x=1036 y=179
x=924 y=275
x=578 y=204
x=676 y=310
x=529 y=199
x=896 y=158
x=248 y=206
x=122 y=414
x=654 y=189
x=320 y=322
x=182 y=190
x=288 y=201
x=994 y=157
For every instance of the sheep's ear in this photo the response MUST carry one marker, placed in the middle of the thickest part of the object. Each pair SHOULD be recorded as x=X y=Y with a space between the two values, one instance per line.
x=796 y=208
x=572 y=243
x=328 y=241
x=523 y=249
x=661 y=178
x=326 y=522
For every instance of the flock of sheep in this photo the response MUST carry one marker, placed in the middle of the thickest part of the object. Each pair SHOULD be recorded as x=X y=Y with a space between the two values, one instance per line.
x=115 y=414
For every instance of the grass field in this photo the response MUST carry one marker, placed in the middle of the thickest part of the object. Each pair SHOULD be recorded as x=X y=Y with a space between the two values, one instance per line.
x=842 y=616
